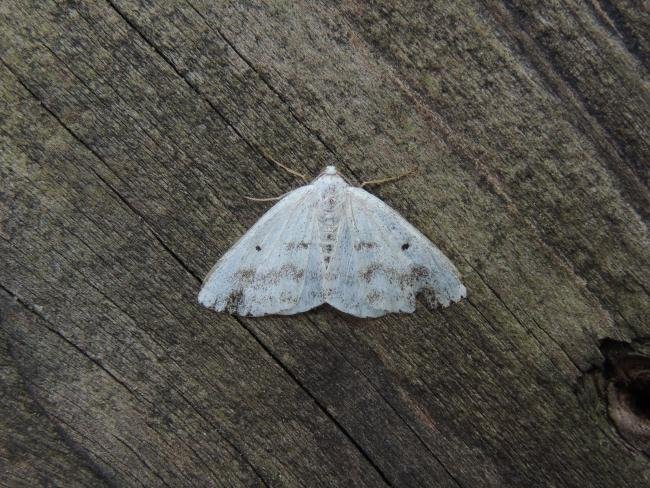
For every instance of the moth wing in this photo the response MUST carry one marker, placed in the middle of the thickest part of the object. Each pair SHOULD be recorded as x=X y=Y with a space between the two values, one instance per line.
x=381 y=262
x=275 y=268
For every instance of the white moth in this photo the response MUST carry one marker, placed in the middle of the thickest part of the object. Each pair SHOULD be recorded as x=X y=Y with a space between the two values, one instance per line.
x=330 y=242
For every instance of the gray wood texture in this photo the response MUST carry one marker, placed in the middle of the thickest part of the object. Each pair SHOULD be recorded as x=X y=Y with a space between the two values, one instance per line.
x=130 y=132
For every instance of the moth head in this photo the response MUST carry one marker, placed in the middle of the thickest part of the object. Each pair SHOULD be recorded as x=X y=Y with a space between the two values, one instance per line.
x=331 y=176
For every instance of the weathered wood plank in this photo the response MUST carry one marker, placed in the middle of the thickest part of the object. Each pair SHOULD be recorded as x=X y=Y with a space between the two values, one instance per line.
x=33 y=451
x=130 y=131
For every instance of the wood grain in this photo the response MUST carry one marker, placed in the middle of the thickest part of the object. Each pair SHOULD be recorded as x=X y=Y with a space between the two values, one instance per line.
x=130 y=132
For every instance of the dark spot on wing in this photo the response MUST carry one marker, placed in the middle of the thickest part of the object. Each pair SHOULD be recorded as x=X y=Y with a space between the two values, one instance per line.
x=263 y=279
x=429 y=296
x=419 y=272
x=405 y=246
x=370 y=271
x=292 y=272
x=407 y=278
x=414 y=276
x=258 y=248
x=364 y=245
x=374 y=296
x=245 y=275
x=285 y=271
x=290 y=246
x=233 y=301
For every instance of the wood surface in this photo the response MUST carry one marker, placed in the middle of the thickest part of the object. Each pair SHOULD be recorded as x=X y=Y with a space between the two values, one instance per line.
x=130 y=132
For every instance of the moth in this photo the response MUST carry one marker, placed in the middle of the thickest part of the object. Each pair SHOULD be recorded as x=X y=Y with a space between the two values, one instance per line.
x=335 y=243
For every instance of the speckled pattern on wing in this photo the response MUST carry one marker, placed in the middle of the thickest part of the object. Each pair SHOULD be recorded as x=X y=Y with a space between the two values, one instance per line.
x=329 y=242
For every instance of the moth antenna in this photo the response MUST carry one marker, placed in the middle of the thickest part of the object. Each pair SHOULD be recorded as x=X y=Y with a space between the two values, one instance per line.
x=271 y=199
x=286 y=168
x=391 y=178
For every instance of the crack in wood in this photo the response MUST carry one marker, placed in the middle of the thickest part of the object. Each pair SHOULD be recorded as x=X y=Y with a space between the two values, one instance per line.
x=317 y=402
